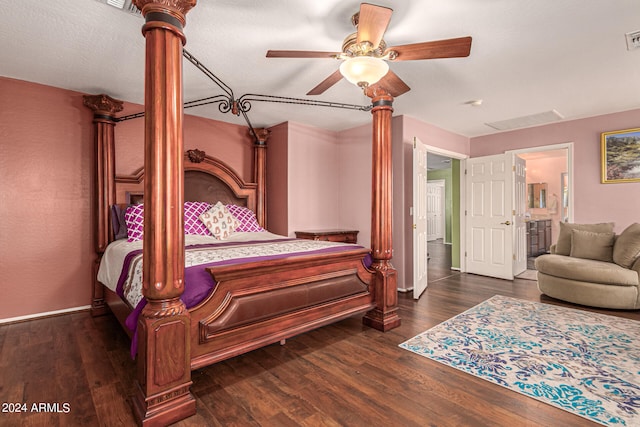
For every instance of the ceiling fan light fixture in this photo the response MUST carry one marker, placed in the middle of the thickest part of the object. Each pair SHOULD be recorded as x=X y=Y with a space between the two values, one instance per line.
x=364 y=70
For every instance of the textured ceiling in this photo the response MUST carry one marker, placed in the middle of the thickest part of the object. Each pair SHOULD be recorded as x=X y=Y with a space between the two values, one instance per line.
x=527 y=57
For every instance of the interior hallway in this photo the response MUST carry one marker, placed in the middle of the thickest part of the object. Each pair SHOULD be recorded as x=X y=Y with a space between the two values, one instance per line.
x=439 y=266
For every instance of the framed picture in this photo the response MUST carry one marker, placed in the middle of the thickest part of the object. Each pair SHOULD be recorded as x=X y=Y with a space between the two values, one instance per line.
x=620 y=156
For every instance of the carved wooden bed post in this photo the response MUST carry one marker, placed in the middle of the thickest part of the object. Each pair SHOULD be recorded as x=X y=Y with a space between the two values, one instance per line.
x=164 y=370
x=260 y=167
x=384 y=317
x=104 y=109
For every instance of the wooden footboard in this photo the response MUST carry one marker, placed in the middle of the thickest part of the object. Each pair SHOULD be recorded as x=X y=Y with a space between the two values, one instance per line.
x=260 y=303
x=267 y=301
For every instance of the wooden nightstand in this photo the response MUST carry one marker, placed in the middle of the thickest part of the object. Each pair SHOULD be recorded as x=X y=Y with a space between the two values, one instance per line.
x=346 y=236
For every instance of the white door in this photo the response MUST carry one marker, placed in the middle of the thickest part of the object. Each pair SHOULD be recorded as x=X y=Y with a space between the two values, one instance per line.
x=489 y=219
x=420 y=251
x=435 y=209
x=519 y=209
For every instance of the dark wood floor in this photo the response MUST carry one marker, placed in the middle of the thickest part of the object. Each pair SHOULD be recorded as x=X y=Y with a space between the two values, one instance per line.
x=341 y=375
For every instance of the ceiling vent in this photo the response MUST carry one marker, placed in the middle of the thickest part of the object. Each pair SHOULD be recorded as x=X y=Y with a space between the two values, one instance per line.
x=124 y=5
x=527 y=121
x=633 y=40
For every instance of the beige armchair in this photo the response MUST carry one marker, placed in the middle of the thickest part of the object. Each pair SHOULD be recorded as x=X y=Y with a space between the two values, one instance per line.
x=590 y=265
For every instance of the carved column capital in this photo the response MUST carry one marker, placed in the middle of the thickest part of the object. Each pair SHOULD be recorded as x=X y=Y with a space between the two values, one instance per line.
x=102 y=104
x=377 y=91
x=168 y=15
x=177 y=8
x=262 y=135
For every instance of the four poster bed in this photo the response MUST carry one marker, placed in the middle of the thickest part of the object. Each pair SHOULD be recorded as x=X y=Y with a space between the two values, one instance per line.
x=261 y=300
x=280 y=287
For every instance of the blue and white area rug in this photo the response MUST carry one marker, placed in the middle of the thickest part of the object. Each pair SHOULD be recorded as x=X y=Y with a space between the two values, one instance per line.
x=585 y=363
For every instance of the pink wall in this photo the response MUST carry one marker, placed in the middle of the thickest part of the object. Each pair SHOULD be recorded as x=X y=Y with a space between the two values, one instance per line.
x=47 y=185
x=594 y=201
x=313 y=183
x=433 y=136
x=228 y=142
x=319 y=179
x=354 y=168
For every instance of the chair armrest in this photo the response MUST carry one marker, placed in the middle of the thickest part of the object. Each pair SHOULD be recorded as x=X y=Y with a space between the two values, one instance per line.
x=636 y=266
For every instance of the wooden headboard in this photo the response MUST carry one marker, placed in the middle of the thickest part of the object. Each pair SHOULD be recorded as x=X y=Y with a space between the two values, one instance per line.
x=201 y=186
x=206 y=179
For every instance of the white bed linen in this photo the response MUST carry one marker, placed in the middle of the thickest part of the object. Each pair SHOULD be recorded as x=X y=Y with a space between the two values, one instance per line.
x=113 y=257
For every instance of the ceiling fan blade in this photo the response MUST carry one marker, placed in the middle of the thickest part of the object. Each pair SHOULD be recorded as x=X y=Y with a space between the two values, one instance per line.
x=393 y=84
x=372 y=23
x=450 y=48
x=326 y=83
x=300 y=54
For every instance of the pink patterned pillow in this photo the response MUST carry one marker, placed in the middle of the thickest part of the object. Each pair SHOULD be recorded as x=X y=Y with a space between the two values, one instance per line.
x=192 y=223
x=246 y=217
x=219 y=221
x=134 y=219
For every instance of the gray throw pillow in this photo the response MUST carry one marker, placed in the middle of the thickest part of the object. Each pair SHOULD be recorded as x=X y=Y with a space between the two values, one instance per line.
x=627 y=247
x=563 y=245
x=590 y=245
x=117 y=222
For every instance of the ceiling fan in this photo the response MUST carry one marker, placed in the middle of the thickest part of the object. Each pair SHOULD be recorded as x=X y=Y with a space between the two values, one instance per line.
x=365 y=53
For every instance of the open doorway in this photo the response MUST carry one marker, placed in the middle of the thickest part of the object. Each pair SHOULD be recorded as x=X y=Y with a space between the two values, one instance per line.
x=548 y=197
x=440 y=206
x=407 y=213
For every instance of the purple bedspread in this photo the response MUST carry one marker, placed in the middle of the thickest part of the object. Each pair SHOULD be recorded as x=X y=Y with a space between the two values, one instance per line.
x=198 y=283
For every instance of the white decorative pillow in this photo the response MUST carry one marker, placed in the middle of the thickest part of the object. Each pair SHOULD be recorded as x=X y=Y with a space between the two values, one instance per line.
x=220 y=222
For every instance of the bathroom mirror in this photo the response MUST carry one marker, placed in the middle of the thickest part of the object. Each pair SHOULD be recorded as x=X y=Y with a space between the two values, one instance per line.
x=537 y=195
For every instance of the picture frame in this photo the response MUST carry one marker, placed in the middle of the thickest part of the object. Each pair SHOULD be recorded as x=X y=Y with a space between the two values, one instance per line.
x=620 y=152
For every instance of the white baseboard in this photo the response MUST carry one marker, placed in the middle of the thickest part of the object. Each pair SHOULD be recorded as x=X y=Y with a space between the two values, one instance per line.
x=46 y=314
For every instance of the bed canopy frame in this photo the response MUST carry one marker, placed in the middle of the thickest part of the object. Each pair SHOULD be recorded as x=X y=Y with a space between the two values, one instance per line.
x=164 y=367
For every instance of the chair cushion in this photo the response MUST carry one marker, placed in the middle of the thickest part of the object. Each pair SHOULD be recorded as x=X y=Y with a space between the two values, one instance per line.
x=586 y=270
x=563 y=245
x=627 y=247
x=590 y=245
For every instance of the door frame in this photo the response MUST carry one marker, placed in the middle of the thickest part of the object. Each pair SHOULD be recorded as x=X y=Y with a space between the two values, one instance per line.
x=569 y=147
x=463 y=189
x=462 y=157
